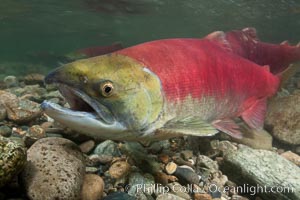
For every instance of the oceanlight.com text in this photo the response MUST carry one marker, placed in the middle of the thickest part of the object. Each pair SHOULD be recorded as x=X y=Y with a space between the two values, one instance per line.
x=252 y=190
x=242 y=189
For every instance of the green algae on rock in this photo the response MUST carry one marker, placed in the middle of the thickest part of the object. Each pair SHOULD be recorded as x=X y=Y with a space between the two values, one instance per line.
x=12 y=159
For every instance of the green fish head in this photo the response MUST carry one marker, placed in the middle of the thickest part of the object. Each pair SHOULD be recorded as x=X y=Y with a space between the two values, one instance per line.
x=119 y=93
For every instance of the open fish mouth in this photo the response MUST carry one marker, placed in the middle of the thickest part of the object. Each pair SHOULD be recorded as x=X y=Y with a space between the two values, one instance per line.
x=85 y=114
x=81 y=102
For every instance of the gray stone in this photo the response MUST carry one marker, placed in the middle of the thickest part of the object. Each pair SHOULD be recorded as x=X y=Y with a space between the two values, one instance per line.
x=186 y=175
x=12 y=159
x=205 y=164
x=263 y=168
x=141 y=184
x=159 y=146
x=11 y=81
x=107 y=147
x=5 y=131
x=55 y=170
x=283 y=118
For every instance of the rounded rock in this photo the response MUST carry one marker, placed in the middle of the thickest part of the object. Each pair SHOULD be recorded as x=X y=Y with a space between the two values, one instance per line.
x=107 y=147
x=12 y=159
x=119 y=169
x=55 y=170
x=5 y=131
x=171 y=167
x=93 y=187
x=87 y=146
x=283 y=118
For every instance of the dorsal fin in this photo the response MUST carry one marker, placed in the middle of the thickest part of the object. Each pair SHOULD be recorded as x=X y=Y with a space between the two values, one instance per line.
x=220 y=38
x=250 y=31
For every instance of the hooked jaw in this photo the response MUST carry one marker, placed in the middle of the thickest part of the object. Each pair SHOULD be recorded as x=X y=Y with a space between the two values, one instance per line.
x=85 y=114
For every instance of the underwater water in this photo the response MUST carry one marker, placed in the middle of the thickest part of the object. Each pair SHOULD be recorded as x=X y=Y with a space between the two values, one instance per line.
x=35 y=34
x=72 y=141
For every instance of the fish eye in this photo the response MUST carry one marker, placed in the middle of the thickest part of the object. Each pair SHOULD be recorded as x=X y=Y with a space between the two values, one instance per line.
x=107 y=89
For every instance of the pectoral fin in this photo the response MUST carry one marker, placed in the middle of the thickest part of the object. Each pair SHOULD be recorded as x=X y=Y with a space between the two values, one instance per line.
x=229 y=127
x=189 y=126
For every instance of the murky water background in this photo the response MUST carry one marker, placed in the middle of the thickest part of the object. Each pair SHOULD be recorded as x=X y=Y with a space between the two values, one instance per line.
x=34 y=34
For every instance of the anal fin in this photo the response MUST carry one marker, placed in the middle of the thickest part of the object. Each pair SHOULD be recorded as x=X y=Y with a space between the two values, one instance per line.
x=190 y=125
x=254 y=116
x=229 y=127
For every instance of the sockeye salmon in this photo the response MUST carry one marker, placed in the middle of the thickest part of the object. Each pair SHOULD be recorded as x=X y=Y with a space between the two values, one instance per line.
x=172 y=87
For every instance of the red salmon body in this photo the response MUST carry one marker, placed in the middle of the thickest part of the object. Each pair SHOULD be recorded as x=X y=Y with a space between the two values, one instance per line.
x=202 y=70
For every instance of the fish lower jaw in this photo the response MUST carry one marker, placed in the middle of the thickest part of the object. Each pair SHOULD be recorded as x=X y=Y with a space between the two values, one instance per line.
x=84 y=122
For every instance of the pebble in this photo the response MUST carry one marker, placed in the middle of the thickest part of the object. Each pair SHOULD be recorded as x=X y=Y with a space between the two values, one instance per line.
x=202 y=196
x=12 y=159
x=186 y=176
x=186 y=154
x=118 y=196
x=295 y=158
x=19 y=111
x=5 y=131
x=283 y=118
x=136 y=180
x=171 y=167
x=55 y=170
x=180 y=161
x=91 y=170
x=87 y=146
x=206 y=166
x=100 y=159
x=119 y=169
x=216 y=194
x=34 y=133
x=11 y=81
x=32 y=79
x=31 y=92
x=168 y=196
x=92 y=188
x=159 y=146
x=3 y=113
x=107 y=147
